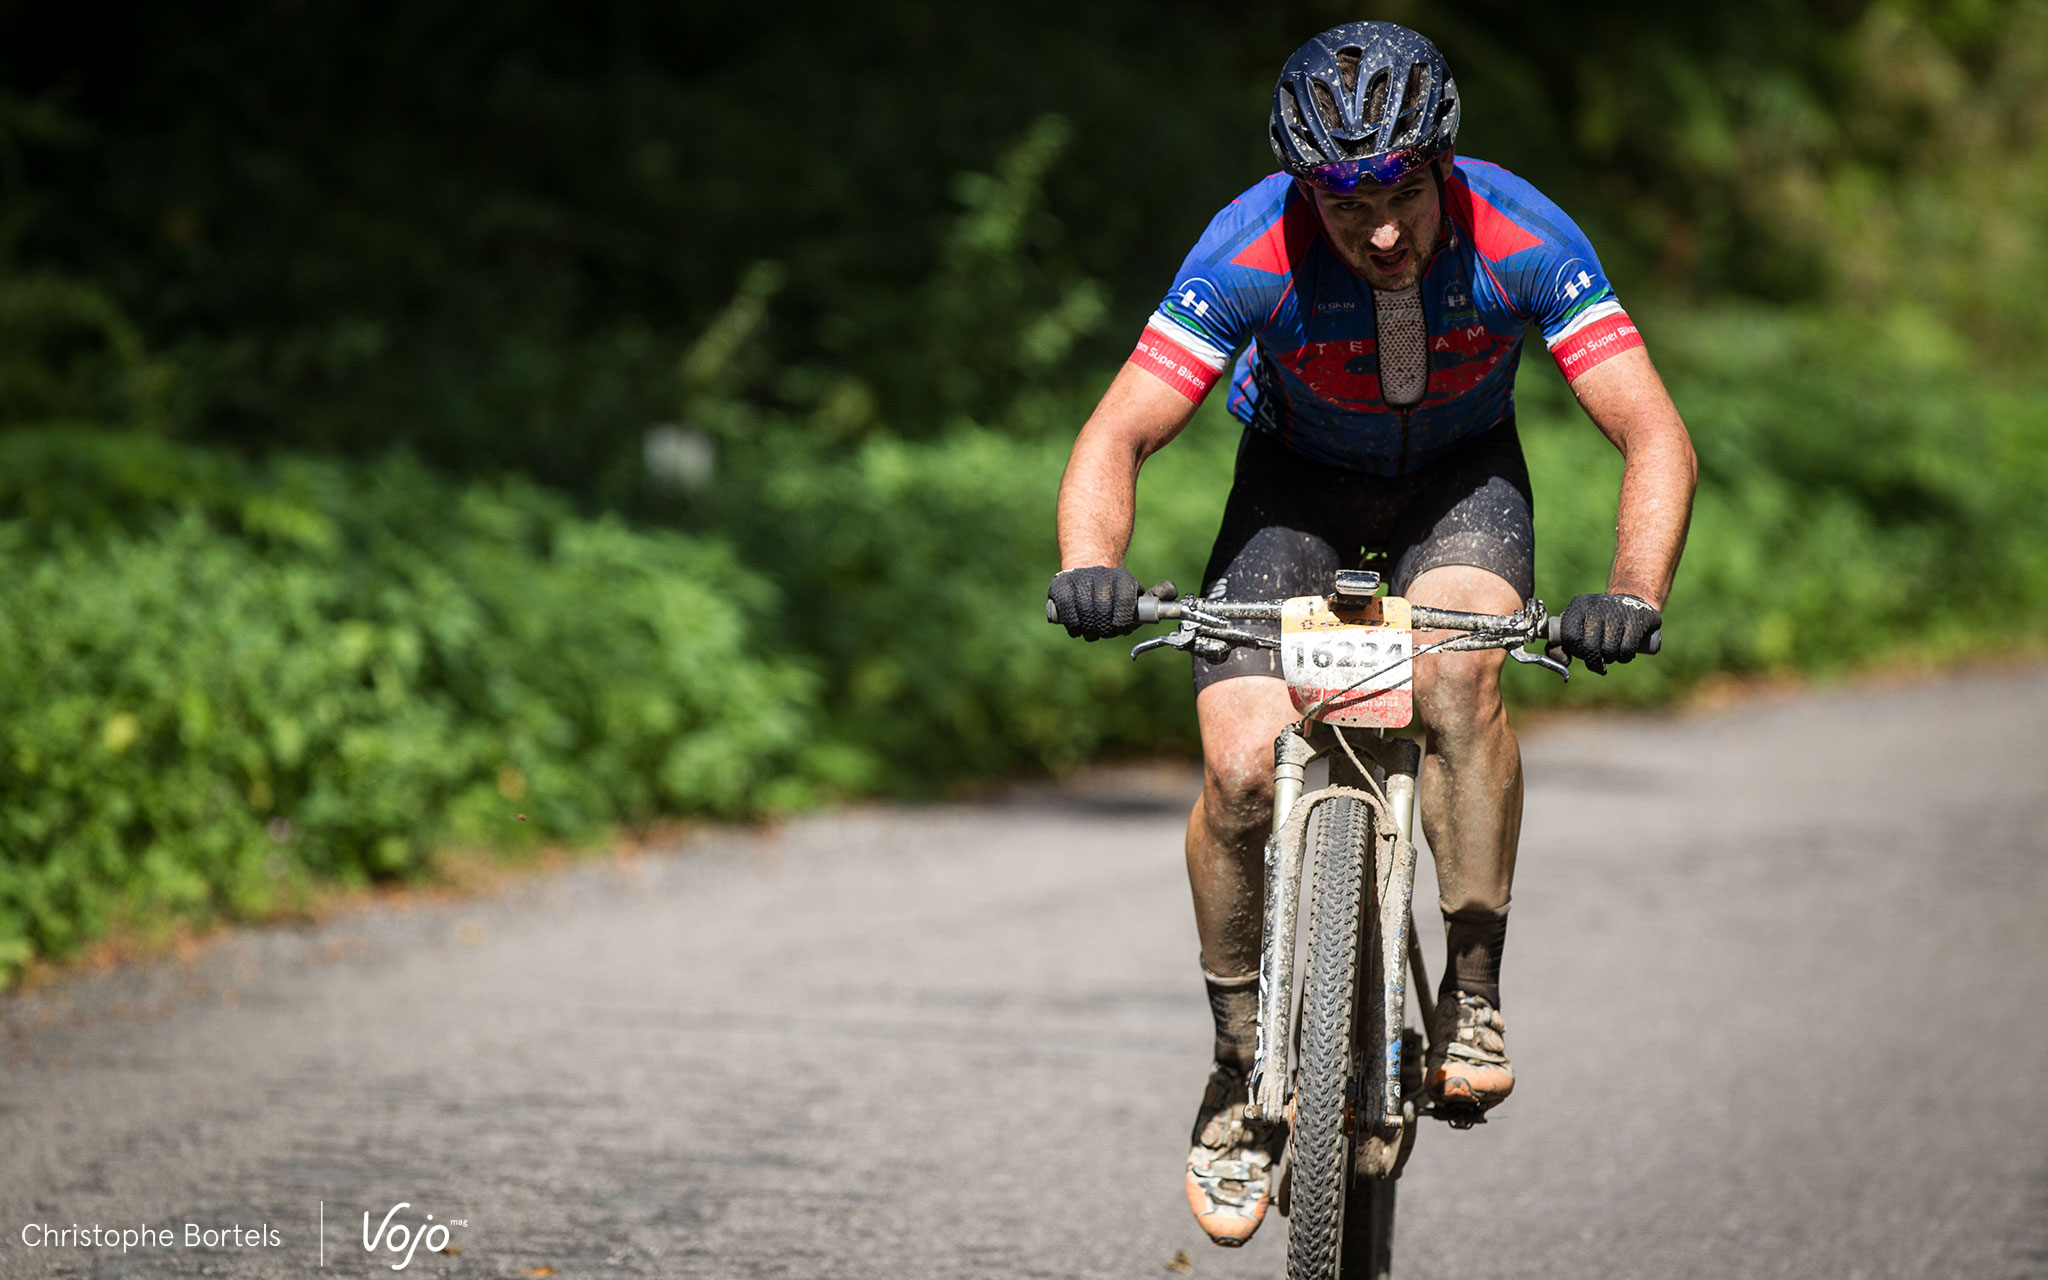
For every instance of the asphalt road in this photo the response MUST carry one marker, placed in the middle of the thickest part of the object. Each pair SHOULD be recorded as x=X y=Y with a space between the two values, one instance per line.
x=1777 y=991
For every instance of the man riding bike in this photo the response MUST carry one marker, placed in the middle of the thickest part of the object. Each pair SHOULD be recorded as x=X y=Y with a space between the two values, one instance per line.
x=1377 y=291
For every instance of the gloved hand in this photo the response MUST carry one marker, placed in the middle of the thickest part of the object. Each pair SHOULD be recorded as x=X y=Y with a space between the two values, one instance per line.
x=1096 y=603
x=1601 y=629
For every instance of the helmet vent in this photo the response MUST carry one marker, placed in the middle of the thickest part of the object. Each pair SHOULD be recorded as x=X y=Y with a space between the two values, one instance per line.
x=1290 y=110
x=1443 y=113
x=1291 y=116
x=1326 y=104
x=1408 y=128
x=1347 y=69
x=1376 y=102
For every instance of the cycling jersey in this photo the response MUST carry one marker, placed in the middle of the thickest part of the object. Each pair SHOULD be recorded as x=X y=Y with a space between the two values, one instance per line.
x=1264 y=278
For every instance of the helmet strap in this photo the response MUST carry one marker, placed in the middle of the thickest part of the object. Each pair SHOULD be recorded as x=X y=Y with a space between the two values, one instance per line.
x=1443 y=211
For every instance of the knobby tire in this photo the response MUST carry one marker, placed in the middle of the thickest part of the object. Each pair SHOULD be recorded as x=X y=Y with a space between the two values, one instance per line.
x=1321 y=1150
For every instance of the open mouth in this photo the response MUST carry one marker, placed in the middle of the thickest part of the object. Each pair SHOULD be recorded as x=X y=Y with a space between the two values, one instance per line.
x=1388 y=264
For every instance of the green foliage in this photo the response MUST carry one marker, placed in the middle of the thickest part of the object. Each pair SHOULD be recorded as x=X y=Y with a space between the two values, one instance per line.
x=1852 y=470
x=492 y=259
x=924 y=567
x=1865 y=489
x=1860 y=495
x=898 y=251
x=220 y=682
x=68 y=351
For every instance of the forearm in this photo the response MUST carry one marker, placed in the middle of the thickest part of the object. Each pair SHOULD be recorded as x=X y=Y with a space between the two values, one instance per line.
x=1099 y=493
x=1657 y=484
x=1098 y=502
x=1626 y=399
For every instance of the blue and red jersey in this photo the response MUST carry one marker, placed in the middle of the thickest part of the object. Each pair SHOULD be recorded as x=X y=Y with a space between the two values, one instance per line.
x=1264 y=279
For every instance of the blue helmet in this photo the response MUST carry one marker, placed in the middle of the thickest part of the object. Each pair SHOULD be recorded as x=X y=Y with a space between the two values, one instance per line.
x=1363 y=102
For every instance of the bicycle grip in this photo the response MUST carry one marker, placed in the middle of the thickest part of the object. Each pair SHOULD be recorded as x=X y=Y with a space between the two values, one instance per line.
x=1148 y=608
x=1553 y=633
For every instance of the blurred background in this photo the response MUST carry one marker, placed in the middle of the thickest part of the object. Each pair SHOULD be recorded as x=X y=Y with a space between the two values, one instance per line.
x=435 y=426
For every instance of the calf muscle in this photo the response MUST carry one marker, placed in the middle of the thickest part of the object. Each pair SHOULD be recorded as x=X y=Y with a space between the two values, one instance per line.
x=1227 y=830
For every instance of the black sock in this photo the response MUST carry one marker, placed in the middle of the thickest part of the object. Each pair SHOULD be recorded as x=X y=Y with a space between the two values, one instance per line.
x=1234 y=1004
x=1472 y=944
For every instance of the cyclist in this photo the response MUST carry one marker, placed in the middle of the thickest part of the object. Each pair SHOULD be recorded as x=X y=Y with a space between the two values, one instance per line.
x=1376 y=290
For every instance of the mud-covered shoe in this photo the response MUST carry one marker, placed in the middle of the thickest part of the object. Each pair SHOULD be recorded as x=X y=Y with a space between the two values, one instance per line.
x=1232 y=1162
x=1469 y=1071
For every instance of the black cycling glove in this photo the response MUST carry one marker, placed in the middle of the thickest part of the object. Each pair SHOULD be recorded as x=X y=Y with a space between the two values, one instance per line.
x=1096 y=603
x=1601 y=629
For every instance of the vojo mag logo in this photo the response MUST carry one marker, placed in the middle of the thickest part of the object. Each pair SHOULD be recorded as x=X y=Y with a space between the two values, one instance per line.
x=401 y=1238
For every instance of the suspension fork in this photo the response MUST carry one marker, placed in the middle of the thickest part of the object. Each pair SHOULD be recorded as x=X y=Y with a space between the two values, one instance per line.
x=1291 y=755
x=1401 y=758
x=1396 y=900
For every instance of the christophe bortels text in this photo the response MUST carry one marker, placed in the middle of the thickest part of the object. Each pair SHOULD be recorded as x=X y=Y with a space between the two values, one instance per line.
x=41 y=1235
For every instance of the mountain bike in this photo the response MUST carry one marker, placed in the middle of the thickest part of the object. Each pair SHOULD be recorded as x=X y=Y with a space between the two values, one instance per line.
x=1337 y=1061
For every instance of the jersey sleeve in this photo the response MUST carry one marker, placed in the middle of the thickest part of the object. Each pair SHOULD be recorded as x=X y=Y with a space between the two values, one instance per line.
x=1548 y=268
x=1217 y=301
x=1581 y=319
x=1574 y=304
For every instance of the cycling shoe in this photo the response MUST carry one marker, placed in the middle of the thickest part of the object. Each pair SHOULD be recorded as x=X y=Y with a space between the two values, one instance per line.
x=1232 y=1162
x=1469 y=1071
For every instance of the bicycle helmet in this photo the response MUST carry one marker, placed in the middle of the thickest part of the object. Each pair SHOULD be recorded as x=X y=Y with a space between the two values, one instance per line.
x=1363 y=102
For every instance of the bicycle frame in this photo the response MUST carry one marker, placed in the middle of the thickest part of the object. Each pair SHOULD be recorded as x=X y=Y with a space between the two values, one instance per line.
x=1397 y=756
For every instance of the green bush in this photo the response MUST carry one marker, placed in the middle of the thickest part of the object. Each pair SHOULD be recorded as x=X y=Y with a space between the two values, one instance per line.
x=924 y=568
x=220 y=681
x=1865 y=490
x=223 y=680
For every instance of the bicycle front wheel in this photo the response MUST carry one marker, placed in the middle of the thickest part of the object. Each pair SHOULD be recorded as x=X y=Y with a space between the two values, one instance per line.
x=1321 y=1151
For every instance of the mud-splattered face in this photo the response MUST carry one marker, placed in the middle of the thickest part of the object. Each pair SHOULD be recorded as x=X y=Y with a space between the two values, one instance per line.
x=1384 y=233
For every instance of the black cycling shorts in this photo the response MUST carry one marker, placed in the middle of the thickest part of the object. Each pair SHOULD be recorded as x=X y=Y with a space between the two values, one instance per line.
x=1292 y=522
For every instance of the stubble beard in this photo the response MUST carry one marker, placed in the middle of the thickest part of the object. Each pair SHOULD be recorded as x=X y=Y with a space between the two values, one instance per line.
x=1356 y=253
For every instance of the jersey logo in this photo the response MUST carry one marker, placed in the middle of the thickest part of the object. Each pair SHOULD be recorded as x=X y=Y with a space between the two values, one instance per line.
x=1574 y=287
x=1191 y=303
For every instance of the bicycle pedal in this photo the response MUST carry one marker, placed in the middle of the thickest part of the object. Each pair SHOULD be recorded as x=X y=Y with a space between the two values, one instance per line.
x=1457 y=1117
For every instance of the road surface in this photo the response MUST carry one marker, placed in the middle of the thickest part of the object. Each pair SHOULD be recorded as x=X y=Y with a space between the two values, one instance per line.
x=1777 y=993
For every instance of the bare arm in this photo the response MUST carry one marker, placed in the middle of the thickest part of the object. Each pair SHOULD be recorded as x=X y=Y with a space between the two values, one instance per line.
x=1626 y=399
x=1099 y=493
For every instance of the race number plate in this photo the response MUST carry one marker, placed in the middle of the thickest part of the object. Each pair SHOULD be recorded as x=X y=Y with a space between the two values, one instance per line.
x=1350 y=663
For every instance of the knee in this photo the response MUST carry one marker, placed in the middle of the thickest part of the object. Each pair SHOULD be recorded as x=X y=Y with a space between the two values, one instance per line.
x=1237 y=794
x=1460 y=693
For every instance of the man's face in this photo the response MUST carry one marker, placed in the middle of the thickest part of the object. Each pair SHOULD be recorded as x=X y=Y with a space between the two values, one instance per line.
x=1384 y=233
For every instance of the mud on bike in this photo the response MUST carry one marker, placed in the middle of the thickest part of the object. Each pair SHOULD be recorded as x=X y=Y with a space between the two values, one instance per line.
x=1337 y=1061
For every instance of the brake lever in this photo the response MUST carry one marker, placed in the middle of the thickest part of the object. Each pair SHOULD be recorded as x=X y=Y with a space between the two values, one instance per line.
x=1188 y=638
x=1538 y=620
x=1182 y=637
x=1543 y=660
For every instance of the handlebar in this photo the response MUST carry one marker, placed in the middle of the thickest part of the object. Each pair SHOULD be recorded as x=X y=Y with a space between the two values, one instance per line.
x=1207 y=615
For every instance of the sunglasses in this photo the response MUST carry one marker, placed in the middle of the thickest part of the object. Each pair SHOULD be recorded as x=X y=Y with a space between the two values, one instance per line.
x=1382 y=170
